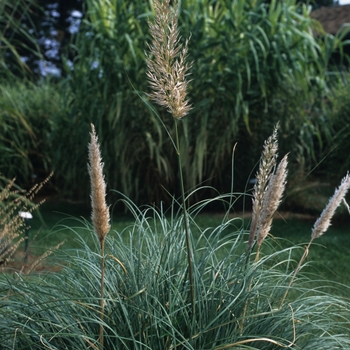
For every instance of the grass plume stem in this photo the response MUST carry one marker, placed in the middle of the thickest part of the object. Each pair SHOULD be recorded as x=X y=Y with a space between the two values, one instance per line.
x=167 y=72
x=102 y=288
x=100 y=212
x=263 y=177
x=187 y=230
x=271 y=200
x=268 y=192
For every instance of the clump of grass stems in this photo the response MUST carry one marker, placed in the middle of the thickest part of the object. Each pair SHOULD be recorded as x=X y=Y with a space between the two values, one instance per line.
x=147 y=293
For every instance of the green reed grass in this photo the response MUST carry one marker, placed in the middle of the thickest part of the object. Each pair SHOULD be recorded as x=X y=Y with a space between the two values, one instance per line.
x=248 y=71
x=27 y=113
x=15 y=37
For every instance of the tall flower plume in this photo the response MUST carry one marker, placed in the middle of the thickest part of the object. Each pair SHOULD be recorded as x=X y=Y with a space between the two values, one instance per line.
x=324 y=221
x=263 y=176
x=100 y=212
x=272 y=199
x=167 y=67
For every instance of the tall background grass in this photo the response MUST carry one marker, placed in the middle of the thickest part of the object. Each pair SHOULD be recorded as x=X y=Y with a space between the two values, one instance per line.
x=256 y=63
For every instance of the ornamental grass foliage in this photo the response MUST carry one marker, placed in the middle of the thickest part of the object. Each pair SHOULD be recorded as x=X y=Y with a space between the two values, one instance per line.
x=165 y=282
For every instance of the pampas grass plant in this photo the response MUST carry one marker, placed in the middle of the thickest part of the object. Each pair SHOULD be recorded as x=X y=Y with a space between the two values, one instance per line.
x=145 y=290
x=146 y=302
x=147 y=293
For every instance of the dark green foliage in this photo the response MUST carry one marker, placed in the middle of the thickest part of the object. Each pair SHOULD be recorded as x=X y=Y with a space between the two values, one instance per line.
x=254 y=64
x=338 y=158
x=16 y=37
x=27 y=113
x=109 y=59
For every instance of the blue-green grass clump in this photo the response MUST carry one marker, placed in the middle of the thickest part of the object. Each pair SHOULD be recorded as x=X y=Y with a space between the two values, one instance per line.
x=148 y=298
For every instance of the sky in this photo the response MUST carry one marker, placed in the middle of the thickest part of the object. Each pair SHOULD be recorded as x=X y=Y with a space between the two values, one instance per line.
x=344 y=2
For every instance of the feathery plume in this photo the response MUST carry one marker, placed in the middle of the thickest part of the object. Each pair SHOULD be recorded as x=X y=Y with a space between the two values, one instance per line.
x=272 y=199
x=100 y=213
x=324 y=221
x=167 y=67
x=266 y=167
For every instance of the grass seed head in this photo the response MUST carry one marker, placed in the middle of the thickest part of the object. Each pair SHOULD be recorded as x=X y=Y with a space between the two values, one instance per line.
x=266 y=168
x=13 y=201
x=324 y=221
x=100 y=211
x=272 y=199
x=167 y=67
